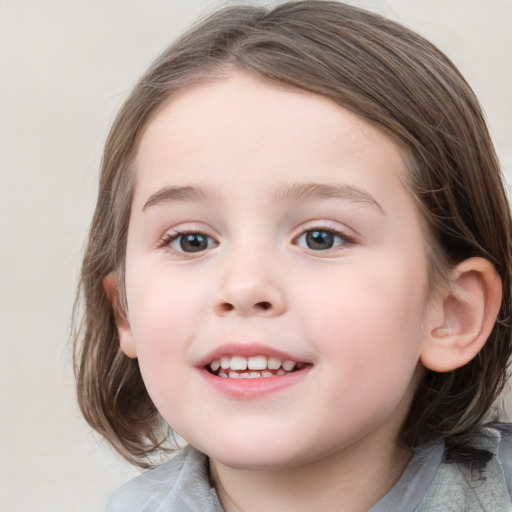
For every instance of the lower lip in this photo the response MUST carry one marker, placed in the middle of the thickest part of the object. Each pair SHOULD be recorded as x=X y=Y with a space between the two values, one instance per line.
x=253 y=388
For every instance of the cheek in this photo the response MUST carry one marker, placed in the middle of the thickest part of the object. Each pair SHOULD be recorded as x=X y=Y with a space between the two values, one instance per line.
x=373 y=316
x=369 y=335
x=164 y=312
x=161 y=327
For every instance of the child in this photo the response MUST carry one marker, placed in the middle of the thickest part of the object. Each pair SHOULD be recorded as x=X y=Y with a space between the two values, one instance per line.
x=300 y=262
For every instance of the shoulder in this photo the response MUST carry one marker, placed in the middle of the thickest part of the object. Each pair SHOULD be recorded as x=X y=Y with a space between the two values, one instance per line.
x=504 y=453
x=181 y=483
x=476 y=479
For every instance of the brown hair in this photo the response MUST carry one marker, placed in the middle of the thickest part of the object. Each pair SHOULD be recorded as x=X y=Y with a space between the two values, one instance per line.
x=379 y=70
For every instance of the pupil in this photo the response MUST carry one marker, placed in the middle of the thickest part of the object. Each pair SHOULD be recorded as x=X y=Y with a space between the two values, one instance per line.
x=320 y=240
x=193 y=242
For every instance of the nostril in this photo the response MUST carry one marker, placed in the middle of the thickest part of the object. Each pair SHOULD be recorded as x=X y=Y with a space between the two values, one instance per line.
x=245 y=307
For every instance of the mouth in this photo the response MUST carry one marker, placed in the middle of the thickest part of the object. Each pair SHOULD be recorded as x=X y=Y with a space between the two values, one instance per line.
x=254 y=367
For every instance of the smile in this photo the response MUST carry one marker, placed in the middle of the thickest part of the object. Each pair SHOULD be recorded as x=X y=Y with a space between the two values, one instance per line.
x=255 y=367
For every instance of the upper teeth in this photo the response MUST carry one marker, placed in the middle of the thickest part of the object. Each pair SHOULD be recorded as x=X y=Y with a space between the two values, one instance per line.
x=252 y=363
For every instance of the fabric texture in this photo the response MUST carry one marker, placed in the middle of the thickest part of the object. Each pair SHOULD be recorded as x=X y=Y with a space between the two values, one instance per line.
x=430 y=483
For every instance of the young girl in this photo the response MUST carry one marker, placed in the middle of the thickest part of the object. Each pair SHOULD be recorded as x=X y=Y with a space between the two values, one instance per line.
x=300 y=262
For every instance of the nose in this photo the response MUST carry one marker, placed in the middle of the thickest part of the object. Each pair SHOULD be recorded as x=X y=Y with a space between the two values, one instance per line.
x=249 y=288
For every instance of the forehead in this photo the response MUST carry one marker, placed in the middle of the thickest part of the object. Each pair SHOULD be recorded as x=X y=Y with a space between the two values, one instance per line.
x=223 y=132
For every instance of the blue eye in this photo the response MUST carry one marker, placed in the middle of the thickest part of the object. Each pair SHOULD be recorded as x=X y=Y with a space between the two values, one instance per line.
x=320 y=239
x=191 y=242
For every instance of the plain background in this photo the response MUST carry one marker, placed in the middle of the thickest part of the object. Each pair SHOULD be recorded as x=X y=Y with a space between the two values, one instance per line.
x=65 y=67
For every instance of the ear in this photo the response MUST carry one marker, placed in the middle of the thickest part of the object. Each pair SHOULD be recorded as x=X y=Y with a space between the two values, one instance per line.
x=124 y=330
x=465 y=315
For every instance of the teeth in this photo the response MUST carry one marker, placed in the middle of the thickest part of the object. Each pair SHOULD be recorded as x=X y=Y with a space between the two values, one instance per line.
x=252 y=367
x=274 y=363
x=288 y=365
x=257 y=363
x=238 y=363
x=249 y=375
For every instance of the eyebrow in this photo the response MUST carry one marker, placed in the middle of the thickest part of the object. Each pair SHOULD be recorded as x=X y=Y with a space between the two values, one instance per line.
x=295 y=191
x=320 y=191
x=174 y=193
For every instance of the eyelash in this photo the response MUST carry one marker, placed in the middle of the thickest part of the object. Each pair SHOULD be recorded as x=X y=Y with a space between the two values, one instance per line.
x=344 y=239
x=168 y=239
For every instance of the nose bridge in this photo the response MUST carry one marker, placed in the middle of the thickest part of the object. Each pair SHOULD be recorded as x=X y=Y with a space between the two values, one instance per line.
x=249 y=283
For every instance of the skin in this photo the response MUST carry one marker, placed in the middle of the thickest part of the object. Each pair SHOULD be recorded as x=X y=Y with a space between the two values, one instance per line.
x=359 y=314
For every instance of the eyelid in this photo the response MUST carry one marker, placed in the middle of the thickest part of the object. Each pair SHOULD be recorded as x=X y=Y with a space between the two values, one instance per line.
x=183 y=229
x=347 y=239
x=325 y=225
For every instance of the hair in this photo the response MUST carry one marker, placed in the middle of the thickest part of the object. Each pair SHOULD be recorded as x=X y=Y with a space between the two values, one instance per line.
x=375 y=68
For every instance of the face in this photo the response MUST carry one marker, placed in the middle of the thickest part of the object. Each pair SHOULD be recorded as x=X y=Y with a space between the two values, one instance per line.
x=276 y=276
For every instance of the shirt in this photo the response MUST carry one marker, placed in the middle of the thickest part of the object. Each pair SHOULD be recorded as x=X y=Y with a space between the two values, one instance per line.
x=430 y=483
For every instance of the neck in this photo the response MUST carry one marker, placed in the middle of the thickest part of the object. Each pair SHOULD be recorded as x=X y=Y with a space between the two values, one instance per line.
x=348 y=482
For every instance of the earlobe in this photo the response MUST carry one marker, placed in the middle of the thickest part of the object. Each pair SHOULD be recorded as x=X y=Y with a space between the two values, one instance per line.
x=468 y=307
x=124 y=331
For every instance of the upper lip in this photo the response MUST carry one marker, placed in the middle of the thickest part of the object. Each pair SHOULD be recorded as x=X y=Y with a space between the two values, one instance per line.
x=245 y=350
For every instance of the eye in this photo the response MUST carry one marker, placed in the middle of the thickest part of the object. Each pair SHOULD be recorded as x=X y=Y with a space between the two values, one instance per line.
x=321 y=239
x=189 y=242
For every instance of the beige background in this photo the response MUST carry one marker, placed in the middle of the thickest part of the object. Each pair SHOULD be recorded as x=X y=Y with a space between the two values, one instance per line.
x=65 y=67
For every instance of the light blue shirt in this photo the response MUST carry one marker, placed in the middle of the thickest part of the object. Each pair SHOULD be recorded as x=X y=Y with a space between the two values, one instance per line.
x=428 y=484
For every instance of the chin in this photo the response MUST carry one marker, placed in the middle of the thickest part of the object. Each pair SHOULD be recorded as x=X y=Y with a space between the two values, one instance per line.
x=257 y=456
x=253 y=462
